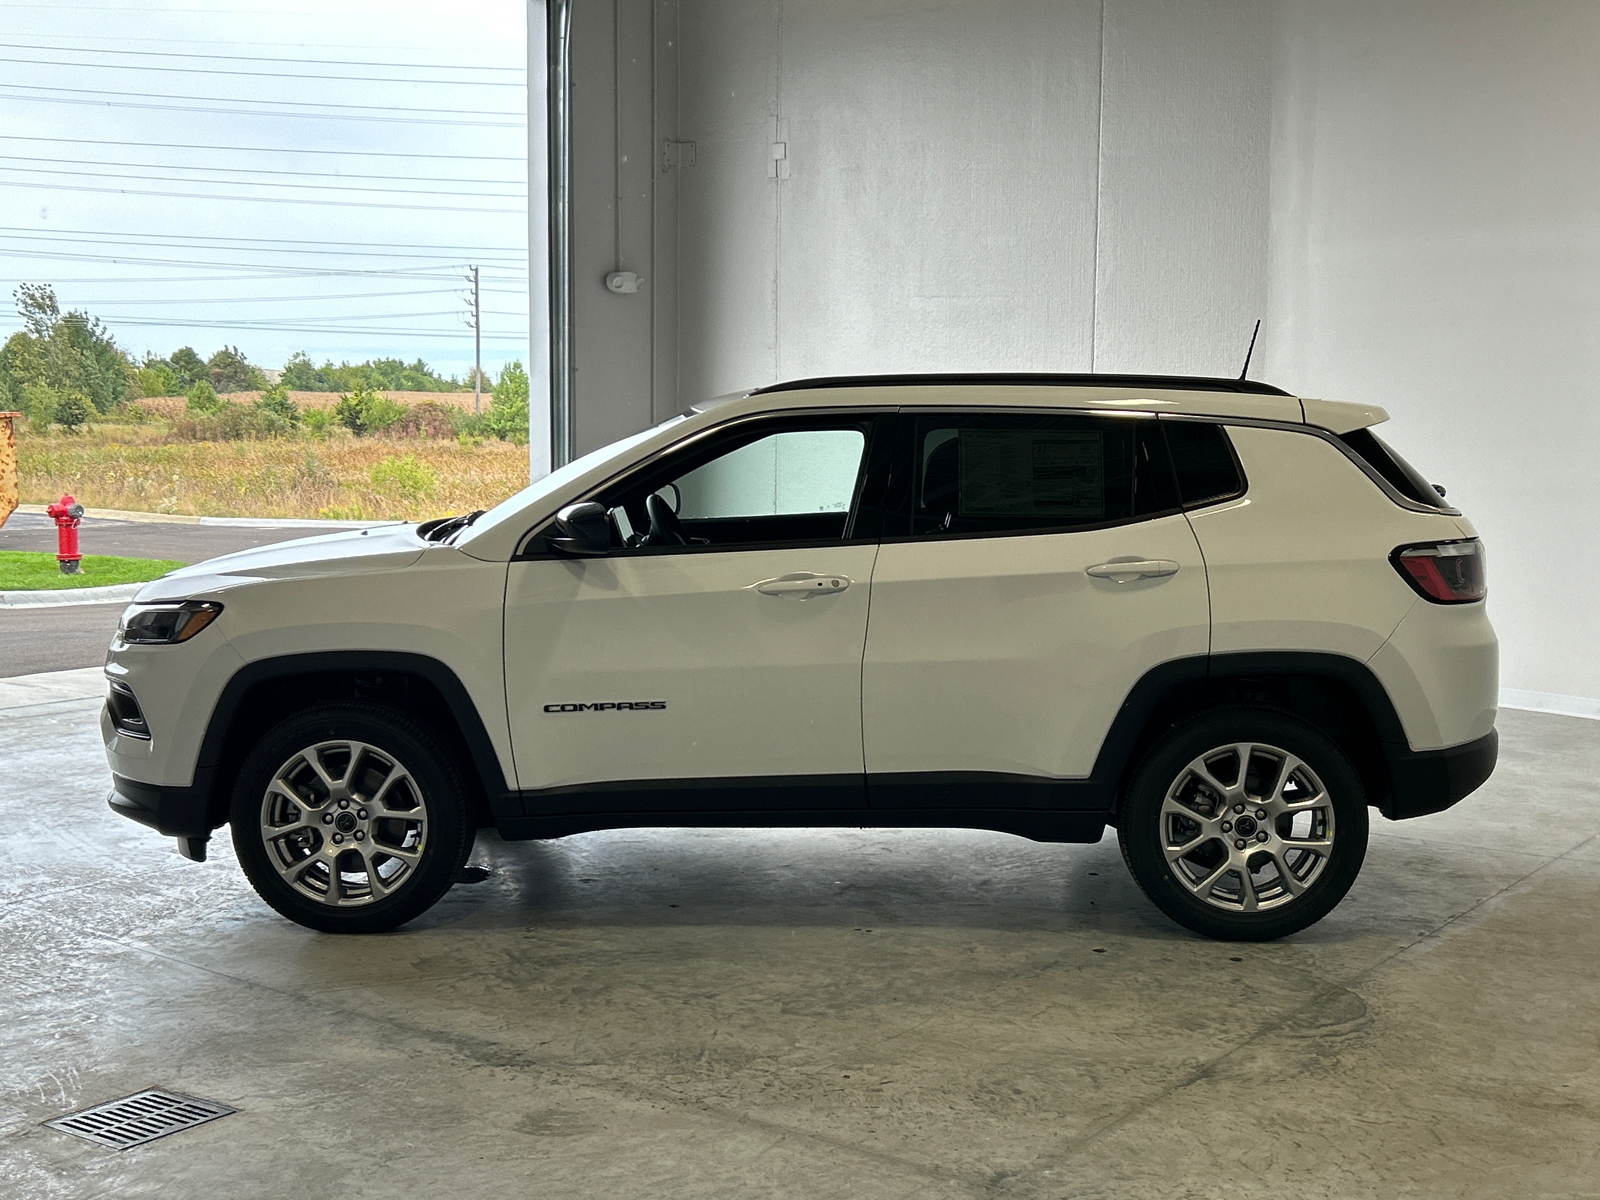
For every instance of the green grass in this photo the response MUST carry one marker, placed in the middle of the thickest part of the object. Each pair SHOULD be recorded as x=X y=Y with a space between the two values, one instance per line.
x=33 y=571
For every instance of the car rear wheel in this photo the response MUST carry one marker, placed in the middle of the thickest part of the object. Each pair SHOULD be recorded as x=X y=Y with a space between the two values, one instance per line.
x=350 y=818
x=1245 y=824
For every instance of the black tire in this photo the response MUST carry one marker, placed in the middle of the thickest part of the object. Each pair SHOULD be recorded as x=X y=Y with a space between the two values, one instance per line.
x=1205 y=888
x=423 y=816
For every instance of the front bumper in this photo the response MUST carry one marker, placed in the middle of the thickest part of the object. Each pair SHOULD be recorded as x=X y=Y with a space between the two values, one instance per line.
x=1430 y=781
x=180 y=812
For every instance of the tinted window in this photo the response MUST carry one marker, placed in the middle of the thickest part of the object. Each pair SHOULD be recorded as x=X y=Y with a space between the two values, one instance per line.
x=750 y=488
x=1400 y=474
x=1203 y=461
x=995 y=473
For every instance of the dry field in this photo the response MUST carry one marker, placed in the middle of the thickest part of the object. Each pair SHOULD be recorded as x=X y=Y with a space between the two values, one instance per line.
x=135 y=468
x=168 y=407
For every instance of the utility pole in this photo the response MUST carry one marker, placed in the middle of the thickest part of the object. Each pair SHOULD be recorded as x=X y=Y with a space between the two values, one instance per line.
x=477 y=348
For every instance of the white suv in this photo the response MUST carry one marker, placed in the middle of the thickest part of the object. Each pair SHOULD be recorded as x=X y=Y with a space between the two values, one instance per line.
x=1220 y=618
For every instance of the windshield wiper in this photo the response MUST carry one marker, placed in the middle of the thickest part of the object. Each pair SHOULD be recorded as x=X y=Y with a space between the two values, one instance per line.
x=442 y=528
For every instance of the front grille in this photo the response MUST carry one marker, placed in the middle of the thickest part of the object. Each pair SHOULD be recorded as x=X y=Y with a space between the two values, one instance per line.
x=142 y=1117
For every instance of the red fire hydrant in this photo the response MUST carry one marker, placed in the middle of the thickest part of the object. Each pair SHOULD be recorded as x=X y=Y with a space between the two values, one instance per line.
x=66 y=513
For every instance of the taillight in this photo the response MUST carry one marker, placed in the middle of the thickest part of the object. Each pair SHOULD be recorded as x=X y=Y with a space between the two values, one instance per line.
x=1444 y=572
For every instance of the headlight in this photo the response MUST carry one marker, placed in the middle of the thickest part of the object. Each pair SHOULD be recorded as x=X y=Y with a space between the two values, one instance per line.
x=166 y=624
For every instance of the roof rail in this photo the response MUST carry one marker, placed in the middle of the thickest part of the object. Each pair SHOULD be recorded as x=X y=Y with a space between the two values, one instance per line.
x=1175 y=383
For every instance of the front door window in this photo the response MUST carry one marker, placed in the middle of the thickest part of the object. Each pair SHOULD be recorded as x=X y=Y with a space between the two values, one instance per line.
x=774 y=489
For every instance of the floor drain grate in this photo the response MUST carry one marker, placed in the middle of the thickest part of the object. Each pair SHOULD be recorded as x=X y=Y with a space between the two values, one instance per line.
x=140 y=1118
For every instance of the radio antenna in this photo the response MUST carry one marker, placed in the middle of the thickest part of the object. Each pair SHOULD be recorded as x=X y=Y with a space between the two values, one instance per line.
x=1250 y=351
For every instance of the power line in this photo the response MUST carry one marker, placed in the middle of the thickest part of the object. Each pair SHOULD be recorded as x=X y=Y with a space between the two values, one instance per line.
x=73 y=187
x=200 y=41
x=263 y=299
x=204 y=12
x=45 y=62
x=420 y=271
x=261 y=43
x=441 y=262
x=262 y=183
x=310 y=328
x=270 y=321
x=251 y=112
x=455 y=112
x=332 y=62
x=144 y=279
x=97 y=162
x=469 y=251
x=18 y=137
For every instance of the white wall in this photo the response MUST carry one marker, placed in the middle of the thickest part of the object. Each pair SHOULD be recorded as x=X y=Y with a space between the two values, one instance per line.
x=1436 y=249
x=966 y=189
x=1408 y=194
x=939 y=211
x=1184 y=172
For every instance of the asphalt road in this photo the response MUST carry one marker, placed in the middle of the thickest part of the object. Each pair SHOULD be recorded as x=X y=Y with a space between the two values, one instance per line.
x=140 y=539
x=55 y=639
x=76 y=635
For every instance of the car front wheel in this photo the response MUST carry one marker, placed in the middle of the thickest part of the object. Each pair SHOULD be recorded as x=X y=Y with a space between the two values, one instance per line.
x=1245 y=824
x=350 y=818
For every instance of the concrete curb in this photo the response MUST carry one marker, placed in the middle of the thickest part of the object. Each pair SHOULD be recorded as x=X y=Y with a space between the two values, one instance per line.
x=113 y=514
x=292 y=523
x=117 y=514
x=56 y=598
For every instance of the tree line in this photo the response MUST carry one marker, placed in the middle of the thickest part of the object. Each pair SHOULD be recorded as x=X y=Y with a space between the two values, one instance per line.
x=65 y=368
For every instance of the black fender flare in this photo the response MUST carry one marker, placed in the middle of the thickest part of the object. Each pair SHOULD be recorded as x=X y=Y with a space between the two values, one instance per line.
x=215 y=745
x=1196 y=675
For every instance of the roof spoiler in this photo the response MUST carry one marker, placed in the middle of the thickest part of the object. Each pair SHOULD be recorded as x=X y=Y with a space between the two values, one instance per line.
x=1339 y=416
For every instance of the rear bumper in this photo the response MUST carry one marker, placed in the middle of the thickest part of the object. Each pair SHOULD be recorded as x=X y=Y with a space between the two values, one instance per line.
x=183 y=812
x=1430 y=781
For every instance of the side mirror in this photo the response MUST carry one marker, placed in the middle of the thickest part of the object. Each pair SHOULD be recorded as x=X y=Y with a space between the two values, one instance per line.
x=582 y=529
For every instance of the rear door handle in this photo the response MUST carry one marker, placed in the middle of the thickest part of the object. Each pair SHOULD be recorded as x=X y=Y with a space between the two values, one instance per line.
x=1122 y=572
x=802 y=585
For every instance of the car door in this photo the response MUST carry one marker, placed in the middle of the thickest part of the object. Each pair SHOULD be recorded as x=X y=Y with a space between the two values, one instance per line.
x=1037 y=565
x=712 y=660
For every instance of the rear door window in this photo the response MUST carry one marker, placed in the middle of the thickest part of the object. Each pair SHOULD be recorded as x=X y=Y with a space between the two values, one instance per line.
x=988 y=474
x=1203 y=461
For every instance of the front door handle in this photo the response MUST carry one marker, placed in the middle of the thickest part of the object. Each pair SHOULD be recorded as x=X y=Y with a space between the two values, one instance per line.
x=1123 y=572
x=802 y=585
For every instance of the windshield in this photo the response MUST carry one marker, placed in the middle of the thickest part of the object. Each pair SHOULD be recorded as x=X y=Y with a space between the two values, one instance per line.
x=529 y=496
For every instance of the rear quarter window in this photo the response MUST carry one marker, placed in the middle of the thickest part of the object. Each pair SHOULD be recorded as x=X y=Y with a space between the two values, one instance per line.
x=1396 y=471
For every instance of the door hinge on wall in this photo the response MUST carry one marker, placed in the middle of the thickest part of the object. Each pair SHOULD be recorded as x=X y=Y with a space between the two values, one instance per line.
x=677 y=154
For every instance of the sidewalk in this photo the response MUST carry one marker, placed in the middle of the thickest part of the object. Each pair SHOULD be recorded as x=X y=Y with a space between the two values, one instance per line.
x=50 y=688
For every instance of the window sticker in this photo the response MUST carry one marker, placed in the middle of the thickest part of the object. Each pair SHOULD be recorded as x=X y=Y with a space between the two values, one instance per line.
x=1037 y=473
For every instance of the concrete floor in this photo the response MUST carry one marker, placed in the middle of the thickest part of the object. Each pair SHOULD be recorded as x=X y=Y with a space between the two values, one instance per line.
x=853 y=1014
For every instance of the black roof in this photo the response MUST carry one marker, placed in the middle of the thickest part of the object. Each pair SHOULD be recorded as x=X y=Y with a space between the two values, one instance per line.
x=1178 y=383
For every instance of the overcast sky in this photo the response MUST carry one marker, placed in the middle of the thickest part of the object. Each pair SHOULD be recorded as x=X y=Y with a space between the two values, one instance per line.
x=316 y=176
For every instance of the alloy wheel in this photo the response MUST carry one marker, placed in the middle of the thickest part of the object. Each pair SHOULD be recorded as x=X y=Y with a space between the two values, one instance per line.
x=344 y=823
x=1247 y=827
